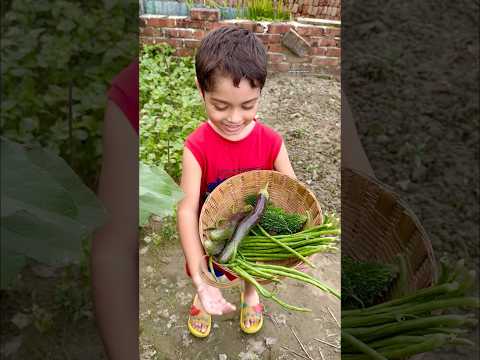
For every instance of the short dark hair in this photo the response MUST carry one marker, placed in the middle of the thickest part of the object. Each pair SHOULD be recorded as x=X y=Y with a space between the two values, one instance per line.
x=234 y=52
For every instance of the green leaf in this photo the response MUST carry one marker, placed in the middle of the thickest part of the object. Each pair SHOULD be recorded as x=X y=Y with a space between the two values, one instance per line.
x=46 y=209
x=158 y=193
x=27 y=184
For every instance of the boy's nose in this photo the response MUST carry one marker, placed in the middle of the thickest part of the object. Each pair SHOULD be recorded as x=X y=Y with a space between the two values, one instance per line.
x=235 y=118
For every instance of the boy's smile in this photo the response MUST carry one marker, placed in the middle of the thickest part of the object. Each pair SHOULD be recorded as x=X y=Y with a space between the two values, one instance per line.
x=231 y=110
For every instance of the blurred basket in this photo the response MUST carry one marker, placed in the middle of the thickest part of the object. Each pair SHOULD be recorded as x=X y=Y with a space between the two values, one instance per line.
x=229 y=197
x=377 y=225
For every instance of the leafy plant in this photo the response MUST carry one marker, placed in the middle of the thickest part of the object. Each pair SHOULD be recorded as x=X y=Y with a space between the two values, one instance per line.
x=49 y=48
x=171 y=107
x=364 y=282
x=158 y=193
x=46 y=210
x=266 y=10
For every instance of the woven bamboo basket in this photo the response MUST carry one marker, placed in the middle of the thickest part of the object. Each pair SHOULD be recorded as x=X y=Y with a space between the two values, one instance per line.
x=378 y=225
x=229 y=197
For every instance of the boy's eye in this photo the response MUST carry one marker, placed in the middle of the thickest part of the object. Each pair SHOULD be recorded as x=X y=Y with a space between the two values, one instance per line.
x=248 y=107
x=220 y=108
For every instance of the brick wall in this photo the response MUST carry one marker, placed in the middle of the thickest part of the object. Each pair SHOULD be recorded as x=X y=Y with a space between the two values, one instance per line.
x=320 y=9
x=321 y=52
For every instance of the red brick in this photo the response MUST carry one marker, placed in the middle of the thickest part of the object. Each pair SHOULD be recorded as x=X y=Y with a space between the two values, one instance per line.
x=218 y=25
x=147 y=31
x=322 y=41
x=279 y=28
x=205 y=14
x=184 y=52
x=176 y=43
x=309 y=30
x=197 y=24
x=332 y=31
x=179 y=33
x=276 y=58
x=281 y=67
x=193 y=44
x=270 y=38
x=275 y=47
x=305 y=59
x=327 y=61
x=184 y=23
x=320 y=51
x=333 y=52
x=161 y=40
x=198 y=34
x=147 y=40
x=162 y=22
x=208 y=25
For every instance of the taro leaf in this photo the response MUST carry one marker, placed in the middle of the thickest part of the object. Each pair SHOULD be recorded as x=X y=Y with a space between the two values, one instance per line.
x=158 y=193
x=46 y=209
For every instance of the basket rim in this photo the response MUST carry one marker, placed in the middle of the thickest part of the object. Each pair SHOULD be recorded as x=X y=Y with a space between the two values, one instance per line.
x=407 y=210
x=250 y=173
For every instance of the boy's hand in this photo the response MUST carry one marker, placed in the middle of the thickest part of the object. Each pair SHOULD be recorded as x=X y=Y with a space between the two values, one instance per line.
x=212 y=299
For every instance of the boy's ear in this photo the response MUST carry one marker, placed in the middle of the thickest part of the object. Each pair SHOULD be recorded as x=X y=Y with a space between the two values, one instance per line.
x=199 y=88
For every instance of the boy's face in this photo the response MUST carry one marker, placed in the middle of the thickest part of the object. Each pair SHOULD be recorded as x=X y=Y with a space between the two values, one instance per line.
x=232 y=109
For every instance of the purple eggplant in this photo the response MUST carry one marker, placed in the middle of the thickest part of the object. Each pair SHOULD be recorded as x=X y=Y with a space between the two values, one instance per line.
x=245 y=226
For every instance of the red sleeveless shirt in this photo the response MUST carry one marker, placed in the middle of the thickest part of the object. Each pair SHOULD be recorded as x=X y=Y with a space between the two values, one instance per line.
x=220 y=158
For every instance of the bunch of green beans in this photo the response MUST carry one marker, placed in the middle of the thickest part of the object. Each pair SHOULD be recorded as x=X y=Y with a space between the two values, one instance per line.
x=412 y=324
x=260 y=247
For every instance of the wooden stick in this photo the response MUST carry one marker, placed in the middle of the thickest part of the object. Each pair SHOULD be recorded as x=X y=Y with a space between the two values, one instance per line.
x=303 y=347
x=286 y=348
x=333 y=316
x=324 y=342
x=321 y=355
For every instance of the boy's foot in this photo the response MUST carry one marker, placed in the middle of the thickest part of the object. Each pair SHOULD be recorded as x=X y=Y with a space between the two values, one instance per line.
x=251 y=313
x=199 y=321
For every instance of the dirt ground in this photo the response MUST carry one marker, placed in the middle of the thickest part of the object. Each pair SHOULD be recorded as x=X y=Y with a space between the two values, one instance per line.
x=410 y=71
x=306 y=112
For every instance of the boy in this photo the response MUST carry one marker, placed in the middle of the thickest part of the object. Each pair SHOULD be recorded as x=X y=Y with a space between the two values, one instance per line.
x=231 y=69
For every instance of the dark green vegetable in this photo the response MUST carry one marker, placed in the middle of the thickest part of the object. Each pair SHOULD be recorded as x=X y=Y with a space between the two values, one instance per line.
x=278 y=222
x=364 y=348
x=364 y=282
x=245 y=226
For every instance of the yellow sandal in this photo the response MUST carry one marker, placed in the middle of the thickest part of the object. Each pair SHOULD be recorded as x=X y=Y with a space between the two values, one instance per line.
x=199 y=315
x=245 y=310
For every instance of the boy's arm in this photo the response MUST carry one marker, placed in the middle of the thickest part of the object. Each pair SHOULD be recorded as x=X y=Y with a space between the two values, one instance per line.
x=187 y=222
x=282 y=162
x=187 y=214
x=114 y=259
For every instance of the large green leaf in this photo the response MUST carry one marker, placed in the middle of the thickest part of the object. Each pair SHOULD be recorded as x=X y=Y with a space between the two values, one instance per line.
x=46 y=209
x=158 y=193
